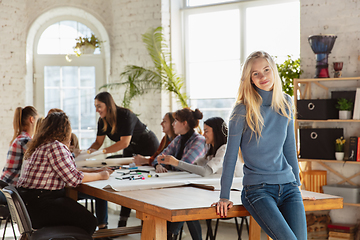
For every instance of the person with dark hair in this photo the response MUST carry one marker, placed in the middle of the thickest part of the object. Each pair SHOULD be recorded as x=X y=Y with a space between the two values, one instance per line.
x=48 y=167
x=168 y=129
x=187 y=147
x=124 y=128
x=215 y=133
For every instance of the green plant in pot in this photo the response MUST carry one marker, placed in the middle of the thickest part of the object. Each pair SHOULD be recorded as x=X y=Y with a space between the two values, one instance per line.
x=86 y=45
x=345 y=107
x=138 y=80
x=289 y=70
x=339 y=148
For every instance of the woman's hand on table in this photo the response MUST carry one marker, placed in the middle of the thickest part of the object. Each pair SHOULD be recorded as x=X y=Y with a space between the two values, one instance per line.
x=140 y=160
x=105 y=174
x=168 y=159
x=160 y=169
x=222 y=206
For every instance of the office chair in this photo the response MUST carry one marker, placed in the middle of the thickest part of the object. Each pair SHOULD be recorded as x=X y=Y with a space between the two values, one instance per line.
x=20 y=215
x=5 y=213
x=212 y=236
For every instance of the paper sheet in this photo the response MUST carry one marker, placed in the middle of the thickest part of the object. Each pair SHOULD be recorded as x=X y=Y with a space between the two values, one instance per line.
x=104 y=162
x=85 y=155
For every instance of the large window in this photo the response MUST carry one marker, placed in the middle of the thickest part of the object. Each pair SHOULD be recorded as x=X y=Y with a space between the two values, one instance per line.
x=220 y=35
x=68 y=84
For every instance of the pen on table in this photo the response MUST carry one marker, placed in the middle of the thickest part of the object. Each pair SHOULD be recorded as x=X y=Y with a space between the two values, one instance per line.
x=139 y=170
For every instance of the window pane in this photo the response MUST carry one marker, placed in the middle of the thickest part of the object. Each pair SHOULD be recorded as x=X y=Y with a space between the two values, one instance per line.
x=87 y=76
x=52 y=99
x=192 y=3
x=51 y=76
x=70 y=76
x=218 y=79
x=59 y=38
x=71 y=106
x=210 y=40
x=280 y=40
x=88 y=120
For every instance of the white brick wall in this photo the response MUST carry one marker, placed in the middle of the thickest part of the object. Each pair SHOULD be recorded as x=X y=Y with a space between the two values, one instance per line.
x=342 y=18
x=124 y=21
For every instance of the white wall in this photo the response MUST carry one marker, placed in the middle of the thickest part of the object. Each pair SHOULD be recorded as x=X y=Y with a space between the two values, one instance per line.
x=124 y=21
x=342 y=18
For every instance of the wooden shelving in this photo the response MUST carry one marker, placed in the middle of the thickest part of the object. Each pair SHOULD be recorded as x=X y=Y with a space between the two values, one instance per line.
x=302 y=90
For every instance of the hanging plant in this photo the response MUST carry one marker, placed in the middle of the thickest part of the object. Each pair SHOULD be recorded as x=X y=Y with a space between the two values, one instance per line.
x=86 y=45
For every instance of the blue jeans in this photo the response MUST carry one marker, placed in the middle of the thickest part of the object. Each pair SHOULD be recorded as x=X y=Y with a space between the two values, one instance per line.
x=278 y=209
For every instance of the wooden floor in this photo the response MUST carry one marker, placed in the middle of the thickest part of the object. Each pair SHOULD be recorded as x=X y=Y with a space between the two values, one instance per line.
x=226 y=229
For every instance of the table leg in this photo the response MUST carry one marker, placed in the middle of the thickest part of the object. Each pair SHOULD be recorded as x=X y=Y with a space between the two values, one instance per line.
x=254 y=230
x=153 y=228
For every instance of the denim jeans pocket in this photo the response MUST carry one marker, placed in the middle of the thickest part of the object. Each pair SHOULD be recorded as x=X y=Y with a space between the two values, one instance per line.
x=249 y=188
x=295 y=184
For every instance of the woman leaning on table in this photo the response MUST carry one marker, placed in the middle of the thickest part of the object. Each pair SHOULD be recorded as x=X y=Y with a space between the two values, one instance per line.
x=262 y=125
x=187 y=147
x=215 y=133
x=48 y=167
x=124 y=128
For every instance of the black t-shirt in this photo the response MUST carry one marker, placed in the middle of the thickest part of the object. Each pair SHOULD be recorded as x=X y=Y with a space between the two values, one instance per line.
x=127 y=123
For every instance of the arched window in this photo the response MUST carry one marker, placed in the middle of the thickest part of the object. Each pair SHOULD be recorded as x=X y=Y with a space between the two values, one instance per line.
x=63 y=80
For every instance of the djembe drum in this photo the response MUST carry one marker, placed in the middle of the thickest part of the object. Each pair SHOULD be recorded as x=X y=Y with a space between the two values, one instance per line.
x=322 y=46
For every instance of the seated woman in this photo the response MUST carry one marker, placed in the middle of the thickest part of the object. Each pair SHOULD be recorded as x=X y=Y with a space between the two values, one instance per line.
x=168 y=129
x=101 y=206
x=187 y=147
x=24 y=123
x=48 y=167
x=215 y=133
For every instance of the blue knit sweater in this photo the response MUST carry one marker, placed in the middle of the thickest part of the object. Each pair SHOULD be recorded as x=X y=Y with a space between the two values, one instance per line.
x=269 y=159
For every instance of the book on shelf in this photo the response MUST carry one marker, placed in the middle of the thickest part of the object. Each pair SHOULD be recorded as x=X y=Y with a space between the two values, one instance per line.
x=343 y=235
x=358 y=150
x=356 y=113
x=342 y=227
x=353 y=148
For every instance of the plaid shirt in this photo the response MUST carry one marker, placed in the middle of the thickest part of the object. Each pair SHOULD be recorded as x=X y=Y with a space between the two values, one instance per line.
x=14 y=158
x=50 y=167
x=194 y=148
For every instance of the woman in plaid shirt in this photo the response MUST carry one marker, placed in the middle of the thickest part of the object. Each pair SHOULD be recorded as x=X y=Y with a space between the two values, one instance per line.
x=48 y=167
x=24 y=123
x=187 y=147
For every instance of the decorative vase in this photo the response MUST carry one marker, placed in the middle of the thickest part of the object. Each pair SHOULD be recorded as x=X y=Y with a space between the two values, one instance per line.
x=322 y=46
x=337 y=68
x=344 y=114
x=339 y=156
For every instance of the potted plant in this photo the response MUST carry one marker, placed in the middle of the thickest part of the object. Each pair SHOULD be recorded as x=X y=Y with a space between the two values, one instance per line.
x=339 y=148
x=86 y=45
x=289 y=70
x=345 y=106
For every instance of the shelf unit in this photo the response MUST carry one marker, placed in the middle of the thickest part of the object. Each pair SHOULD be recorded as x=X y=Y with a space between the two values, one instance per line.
x=302 y=90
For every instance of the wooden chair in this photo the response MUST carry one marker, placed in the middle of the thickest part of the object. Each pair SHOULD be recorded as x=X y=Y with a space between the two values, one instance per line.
x=20 y=215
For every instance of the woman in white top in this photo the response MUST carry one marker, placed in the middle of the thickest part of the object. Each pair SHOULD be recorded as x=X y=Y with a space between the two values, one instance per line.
x=215 y=133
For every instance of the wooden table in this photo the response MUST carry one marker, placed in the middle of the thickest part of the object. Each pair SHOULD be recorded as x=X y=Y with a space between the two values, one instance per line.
x=157 y=206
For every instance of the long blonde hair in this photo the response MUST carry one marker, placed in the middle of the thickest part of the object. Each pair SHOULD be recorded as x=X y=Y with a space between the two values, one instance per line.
x=252 y=100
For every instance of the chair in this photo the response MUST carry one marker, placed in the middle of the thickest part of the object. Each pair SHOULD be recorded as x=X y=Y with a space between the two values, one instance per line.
x=5 y=213
x=212 y=236
x=20 y=215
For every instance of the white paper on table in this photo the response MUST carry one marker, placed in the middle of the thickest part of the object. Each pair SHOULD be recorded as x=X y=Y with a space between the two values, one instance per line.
x=85 y=155
x=105 y=162
x=169 y=179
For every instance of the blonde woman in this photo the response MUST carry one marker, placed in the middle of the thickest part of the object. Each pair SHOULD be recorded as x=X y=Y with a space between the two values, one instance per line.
x=262 y=125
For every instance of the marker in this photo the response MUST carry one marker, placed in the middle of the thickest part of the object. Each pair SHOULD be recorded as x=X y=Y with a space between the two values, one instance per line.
x=141 y=171
x=142 y=178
